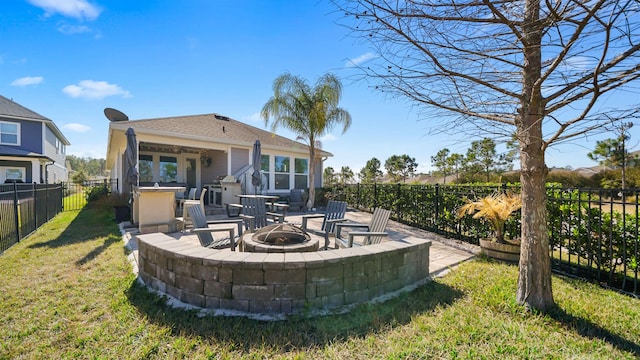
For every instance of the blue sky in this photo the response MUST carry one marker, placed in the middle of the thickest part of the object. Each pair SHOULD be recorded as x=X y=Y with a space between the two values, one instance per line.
x=69 y=59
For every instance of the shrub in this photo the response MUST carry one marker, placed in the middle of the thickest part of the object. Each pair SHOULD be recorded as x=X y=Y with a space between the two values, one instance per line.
x=97 y=192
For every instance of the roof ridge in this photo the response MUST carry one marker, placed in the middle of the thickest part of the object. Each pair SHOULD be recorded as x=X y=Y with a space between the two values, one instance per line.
x=12 y=108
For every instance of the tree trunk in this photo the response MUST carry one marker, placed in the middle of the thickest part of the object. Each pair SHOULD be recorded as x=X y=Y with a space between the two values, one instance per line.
x=534 y=277
x=312 y=175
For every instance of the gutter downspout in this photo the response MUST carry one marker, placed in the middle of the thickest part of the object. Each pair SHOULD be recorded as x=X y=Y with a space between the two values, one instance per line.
x=46 y=171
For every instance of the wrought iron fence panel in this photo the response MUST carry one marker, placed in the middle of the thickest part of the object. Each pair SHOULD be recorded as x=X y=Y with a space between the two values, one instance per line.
x=593 y=233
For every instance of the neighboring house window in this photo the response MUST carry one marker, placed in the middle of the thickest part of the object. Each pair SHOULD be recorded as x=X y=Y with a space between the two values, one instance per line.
x=59 y=147
x=9 y=133
x=145 y=168
x=301 y=174
x=13 y=174
x=282 y=169
x=168 y=169
x=264 y=168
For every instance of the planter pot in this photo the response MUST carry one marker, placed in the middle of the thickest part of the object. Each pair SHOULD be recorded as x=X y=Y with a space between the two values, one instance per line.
x=123 y=213
x=504 y=252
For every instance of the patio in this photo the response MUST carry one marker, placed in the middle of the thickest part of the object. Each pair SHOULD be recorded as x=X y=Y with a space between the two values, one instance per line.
x=274 y=285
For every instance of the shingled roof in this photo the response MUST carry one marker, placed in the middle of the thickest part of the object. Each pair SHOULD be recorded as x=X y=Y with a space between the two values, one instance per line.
x=213 y=127
x=11 y=109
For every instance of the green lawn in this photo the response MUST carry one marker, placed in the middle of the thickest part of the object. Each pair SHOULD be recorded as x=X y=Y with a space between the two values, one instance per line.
x=68 y=291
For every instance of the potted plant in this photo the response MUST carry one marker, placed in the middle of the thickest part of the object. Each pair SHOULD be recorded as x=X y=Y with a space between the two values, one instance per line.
x=496 y=210
x=120 y=203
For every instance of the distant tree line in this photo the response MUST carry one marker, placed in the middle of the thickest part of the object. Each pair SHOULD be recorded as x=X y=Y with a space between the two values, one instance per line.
x=482 y=162
x=85 y=168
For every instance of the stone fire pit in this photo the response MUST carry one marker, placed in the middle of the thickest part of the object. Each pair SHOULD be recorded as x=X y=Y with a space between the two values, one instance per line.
x=280 y=238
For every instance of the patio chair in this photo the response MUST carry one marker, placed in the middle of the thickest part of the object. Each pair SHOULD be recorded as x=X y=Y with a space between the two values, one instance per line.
x=200 y=202
x=296 y=199
x=185 y=221
x=255 y=214
x=190 y=196
x=202 y=228
x=333 y=214
x=373 y=234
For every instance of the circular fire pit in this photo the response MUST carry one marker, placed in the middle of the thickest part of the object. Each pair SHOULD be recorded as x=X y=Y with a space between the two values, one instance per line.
x=280 y=238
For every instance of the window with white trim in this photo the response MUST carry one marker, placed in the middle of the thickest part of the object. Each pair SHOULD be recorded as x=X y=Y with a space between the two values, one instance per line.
x=168 y=168
x=145 y=168
x=264 y=168
x=9 y=133
x=301 y=173
x=282 y=172
x=13 y=173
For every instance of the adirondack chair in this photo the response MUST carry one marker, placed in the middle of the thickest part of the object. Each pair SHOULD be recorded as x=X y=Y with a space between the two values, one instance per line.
x=373 y=234
x=255 y=214
x=201 y=227
x=332 y=215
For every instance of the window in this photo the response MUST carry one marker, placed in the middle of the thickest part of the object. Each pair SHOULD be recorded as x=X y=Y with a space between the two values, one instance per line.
x=168 y=169
x=301 y=173
x=145 y=167
x=13 y=174
x=282 y=168
x=264 y=168
x=9 y=133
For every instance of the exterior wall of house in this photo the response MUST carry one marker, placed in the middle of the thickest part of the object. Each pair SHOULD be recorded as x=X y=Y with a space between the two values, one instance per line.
x=31 y=169
x=30 y=135
x=55 y=149
x=239 y=158
x=218 y=166
x=318 y=174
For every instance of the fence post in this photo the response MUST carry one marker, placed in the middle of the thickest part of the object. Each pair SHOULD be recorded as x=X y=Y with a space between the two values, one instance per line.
x=15 y=210
x=35 y=205
x=398 y=195
x=437 y=214
x=375 y=195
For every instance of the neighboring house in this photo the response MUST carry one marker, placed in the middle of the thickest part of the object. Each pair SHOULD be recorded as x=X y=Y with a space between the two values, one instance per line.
x=200 y=150
x=32 y=148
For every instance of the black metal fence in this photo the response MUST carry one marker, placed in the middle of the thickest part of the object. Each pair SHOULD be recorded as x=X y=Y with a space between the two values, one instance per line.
x=76 y=195
x=594 y=233
x=26 y=207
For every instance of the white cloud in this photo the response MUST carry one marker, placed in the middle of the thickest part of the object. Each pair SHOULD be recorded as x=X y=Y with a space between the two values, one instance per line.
x=90 y=89
x=79 y=9
x=328 y=137
x=27 y=80
x=360 y=59
x=95 y=150
x=76 y=128
x=73 y=29
x=254 y=118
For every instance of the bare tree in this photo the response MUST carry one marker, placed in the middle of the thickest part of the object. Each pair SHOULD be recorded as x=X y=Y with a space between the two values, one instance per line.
x=536 y=69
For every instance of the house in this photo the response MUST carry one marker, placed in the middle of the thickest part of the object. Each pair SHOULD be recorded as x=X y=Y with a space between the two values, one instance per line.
x=32 y=148
x=200 y=150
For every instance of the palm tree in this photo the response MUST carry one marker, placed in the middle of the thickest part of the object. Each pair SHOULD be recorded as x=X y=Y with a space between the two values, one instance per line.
x=308 y=112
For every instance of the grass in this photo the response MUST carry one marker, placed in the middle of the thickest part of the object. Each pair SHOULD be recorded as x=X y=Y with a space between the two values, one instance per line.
x=68 y=292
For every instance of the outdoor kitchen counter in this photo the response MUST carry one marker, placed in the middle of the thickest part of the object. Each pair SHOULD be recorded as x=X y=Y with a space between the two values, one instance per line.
x=154 y=208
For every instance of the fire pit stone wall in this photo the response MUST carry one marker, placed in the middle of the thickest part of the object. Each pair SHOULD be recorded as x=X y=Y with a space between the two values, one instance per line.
x=280 y=284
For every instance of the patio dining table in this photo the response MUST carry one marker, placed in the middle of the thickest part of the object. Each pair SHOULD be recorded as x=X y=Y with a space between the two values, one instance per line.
x=270 y=200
